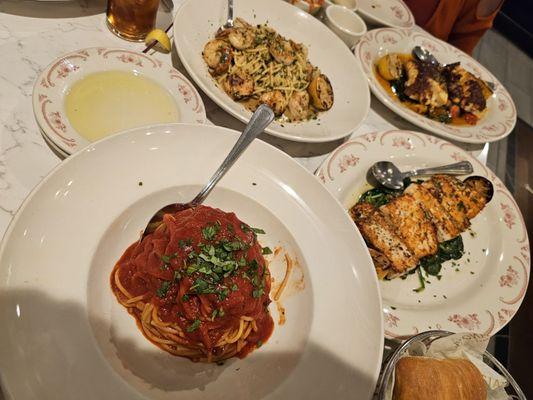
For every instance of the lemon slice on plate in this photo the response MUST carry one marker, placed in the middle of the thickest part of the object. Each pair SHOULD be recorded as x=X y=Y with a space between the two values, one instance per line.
x=162 y=39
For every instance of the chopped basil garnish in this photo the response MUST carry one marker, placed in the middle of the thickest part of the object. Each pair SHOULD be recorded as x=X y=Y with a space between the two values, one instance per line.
x=210 y=231
x=266 y=250
x=195 y=325
x=258 y=231
x=163 y=289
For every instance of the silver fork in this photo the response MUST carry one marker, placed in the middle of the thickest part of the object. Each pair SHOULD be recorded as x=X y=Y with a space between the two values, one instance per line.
x=229 y=22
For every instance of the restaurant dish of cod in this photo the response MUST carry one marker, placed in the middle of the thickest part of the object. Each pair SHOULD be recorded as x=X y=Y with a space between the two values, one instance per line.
x=409 y=229
x=255 y=65
x=446 y=93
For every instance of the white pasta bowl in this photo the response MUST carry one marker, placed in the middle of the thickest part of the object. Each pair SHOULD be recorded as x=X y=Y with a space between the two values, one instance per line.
x=66 y=337
x=194 y=26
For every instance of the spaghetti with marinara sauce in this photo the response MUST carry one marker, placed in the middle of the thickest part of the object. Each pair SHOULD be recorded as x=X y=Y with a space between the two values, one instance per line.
x=198 y=286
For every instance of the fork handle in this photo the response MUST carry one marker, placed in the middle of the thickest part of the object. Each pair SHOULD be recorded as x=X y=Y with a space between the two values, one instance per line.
x=261 y=118
x=230 y=13
x=460 y=168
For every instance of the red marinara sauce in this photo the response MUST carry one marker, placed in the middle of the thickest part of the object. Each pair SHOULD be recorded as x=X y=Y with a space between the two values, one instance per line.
x=203 y=270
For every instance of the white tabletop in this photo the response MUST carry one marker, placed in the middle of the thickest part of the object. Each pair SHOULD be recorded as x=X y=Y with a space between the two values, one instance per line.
x=32 y=34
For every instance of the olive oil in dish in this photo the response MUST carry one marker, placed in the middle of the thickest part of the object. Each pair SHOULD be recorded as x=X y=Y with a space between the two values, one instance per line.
x=104 y=103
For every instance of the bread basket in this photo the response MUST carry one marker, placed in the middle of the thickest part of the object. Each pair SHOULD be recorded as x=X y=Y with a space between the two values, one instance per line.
x=513 y=390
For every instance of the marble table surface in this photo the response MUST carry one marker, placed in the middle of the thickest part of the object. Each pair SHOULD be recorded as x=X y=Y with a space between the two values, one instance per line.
x=32 y=34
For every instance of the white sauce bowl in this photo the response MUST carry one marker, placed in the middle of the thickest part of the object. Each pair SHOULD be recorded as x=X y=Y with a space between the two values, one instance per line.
x=346 y=24
x=349 y=4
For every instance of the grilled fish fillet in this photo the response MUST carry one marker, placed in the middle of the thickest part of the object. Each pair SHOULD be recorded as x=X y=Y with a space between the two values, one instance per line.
x=444 y=224
x=382 y=264
x=382 y=236
x=468 y=200
x=409 y=219
x=449 y=197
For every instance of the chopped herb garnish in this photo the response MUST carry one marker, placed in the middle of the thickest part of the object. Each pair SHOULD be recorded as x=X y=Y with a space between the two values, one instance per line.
x=223 y=294
x=177 y=275
x=210 y=231
x=234 y=287
x=163 y=289
x=266 y=250
x=258 y=293
x=258 y=231
x=421 y=279
x=259 y=343
x=195 y=325
x=185 y=297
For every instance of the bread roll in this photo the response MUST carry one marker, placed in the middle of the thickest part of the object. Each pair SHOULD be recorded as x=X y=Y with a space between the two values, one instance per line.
x=423 y=378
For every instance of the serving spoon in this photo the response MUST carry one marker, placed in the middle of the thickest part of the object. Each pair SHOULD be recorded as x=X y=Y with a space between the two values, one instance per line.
x=425 y=55
x=388 y=174
x=261 y=118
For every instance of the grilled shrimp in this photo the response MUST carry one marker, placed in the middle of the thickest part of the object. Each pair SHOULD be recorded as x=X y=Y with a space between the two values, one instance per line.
x=275 y=100
x=298 y=106
x=241 y=38
x=239 y=84
x=321 y=92
x=282 y=50
x=217 y=55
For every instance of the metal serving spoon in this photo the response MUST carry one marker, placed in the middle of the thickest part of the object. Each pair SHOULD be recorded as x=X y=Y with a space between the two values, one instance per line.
x=261 y=118
x=425 y=55
x=386 y=173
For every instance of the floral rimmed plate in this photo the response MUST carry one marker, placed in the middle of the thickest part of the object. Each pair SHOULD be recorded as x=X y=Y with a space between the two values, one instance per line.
x=54 y=83
x=500 y=117
x=393 y=13
x=485 y=288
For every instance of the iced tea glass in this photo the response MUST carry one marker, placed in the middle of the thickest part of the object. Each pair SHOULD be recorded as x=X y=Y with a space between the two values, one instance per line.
x=131 y=19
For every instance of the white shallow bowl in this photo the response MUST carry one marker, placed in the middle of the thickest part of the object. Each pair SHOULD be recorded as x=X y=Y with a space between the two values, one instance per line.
x=497 y=123
x=349 y=4
x=66 y=337
x=393 y=13
x=55 y=81
x=487 y=290
x=346 y=24
x=194 y=26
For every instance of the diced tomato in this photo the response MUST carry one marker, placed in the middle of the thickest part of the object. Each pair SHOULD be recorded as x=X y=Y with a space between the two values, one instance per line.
x=454 y=111
x=471 y=119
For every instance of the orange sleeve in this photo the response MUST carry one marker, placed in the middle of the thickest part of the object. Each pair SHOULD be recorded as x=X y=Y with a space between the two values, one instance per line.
x=454 y=21
x=470 y=26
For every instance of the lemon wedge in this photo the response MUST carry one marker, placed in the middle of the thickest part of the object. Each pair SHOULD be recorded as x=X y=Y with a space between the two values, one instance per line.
x=162 y=39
